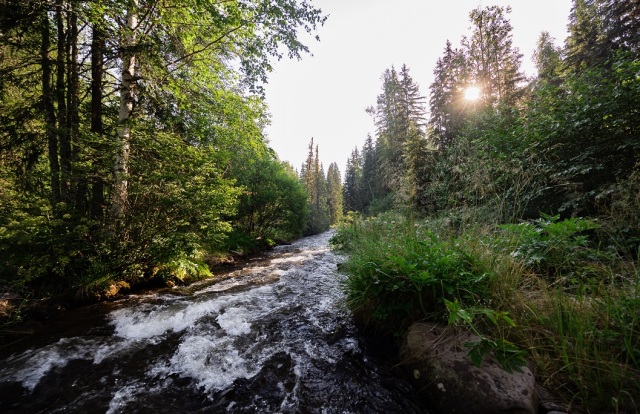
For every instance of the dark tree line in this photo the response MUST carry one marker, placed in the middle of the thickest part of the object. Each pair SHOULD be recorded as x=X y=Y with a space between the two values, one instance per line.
x=324 y=192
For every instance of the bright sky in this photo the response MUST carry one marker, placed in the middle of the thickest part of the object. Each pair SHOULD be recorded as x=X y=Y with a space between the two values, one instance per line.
x=325 y=95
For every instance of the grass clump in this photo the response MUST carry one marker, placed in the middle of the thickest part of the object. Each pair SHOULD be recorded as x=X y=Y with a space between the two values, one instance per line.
x=400 y=272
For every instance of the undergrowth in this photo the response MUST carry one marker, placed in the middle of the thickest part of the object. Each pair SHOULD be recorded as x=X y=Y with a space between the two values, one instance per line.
x=548 y=289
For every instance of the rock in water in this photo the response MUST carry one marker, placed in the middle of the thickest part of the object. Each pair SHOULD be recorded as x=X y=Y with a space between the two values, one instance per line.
x=436 y=357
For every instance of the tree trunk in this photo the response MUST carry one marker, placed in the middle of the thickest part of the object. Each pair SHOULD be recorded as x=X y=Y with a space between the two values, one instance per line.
x=49 y=112
x=127 y=90
x=97 y=69
x=63 y=131
x=78 y=184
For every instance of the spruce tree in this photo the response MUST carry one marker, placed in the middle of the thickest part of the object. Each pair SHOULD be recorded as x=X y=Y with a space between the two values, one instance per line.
x=351 y=190
x=370 y=187
x=446 y=104
x=398 y=113
x=548 y=59
x=493 y=60
x=334 y=192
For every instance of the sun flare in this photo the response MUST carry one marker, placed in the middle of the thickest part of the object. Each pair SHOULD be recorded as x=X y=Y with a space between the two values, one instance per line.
x=472 y=93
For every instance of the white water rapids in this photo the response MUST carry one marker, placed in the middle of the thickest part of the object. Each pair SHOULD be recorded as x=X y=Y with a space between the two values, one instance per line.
x=275 y=337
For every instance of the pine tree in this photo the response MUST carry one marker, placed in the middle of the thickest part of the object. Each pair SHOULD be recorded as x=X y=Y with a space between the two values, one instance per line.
x=417 y=157
x=351 y=191
x=600 y=28
x=334 y=191
x=491 y=56
x=446 y=102
x=315 y=182
x=369 y=184
x=622 y=24
x=399 y=112
x=584 y=47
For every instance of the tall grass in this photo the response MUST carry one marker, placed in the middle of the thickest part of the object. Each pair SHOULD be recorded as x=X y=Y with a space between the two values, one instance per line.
x=545 y=287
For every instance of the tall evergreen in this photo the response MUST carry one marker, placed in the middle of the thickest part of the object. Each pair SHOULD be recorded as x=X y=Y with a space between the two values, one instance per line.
x=399 y=112
x=352 y=181
x=548 y=59
x=493 y=60
x=446 y=105
x=315 y=182
x=334 y=193
x=600 y=28
x=583 y=46
x=370 y=185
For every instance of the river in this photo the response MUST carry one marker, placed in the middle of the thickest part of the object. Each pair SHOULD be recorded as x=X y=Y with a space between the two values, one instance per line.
x=273 y=338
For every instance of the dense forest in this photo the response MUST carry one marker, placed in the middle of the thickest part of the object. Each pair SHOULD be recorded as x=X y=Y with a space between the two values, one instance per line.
x=516 y=202
x=132 y=144
x=564 y=141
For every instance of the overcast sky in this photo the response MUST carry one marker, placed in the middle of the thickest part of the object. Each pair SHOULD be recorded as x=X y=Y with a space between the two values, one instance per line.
x=325 y=95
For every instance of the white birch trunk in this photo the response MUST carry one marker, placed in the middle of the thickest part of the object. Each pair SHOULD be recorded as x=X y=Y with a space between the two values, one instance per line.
x=127 y=89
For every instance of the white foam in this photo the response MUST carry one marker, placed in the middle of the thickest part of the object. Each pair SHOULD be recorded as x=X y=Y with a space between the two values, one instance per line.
x=122 y=397
x=234 y=321
x=292 y=259
x=30 y=367
x=214 y=363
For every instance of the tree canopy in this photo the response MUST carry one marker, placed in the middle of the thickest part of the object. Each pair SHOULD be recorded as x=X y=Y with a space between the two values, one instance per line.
x=132 y=139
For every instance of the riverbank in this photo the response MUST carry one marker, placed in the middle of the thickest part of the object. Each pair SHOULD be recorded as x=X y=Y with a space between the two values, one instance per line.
x=544 y=292
x=22 y=314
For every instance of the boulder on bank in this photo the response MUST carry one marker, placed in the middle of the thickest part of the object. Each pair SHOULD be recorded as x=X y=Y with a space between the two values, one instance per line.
x=437 y=359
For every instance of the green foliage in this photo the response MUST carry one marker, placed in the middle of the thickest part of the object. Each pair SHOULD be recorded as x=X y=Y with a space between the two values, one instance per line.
x=553 y=247
x=334 y=190
x=315 y=182
x=273 y=203
x=583 y=341
x=589 y=345
x=399 y=273
x=195 y=166
x=566 y=144
x=509 y=356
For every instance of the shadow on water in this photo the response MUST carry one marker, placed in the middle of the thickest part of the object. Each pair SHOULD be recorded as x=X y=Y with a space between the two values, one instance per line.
x=273 y=338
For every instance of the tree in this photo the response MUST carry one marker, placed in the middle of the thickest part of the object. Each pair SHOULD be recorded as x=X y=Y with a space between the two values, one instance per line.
x=147 y=106
x=583 y=47
x=130 y=36
x=315 y=182
x=548 y=59
x=418 y=160
x=399 y=112
x=622 y=24
x=250 y=31
x=273 y=203
x=600 y=28
x=446 y=102
x=334 y=191
x=370 y=185
x=491 y=56
x=351 y=191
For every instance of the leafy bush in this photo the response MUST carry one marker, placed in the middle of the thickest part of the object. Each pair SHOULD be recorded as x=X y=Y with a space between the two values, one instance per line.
x=400 y=272
x=553 y=247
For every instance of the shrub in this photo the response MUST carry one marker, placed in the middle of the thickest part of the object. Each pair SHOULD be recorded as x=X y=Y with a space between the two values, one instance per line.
x=400 y=272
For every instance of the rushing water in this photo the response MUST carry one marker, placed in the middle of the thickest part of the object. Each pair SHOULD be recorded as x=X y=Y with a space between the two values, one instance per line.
x=275 y=338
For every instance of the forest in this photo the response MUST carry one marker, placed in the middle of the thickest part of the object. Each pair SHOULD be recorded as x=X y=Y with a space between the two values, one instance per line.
x=132 y=144
x=511 y=205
